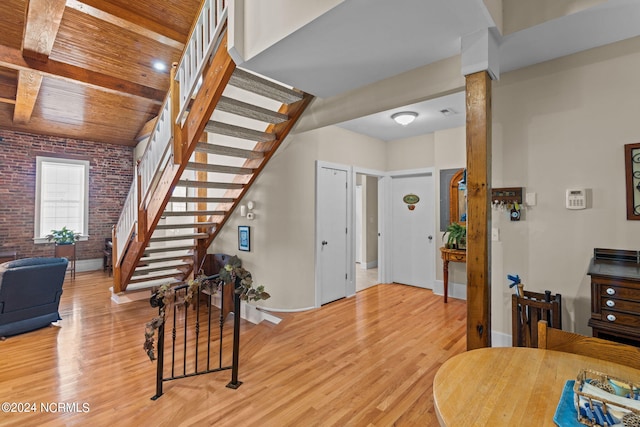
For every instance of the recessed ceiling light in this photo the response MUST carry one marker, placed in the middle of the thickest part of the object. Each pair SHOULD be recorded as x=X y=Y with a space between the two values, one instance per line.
x=159 y=66
x=404 y=117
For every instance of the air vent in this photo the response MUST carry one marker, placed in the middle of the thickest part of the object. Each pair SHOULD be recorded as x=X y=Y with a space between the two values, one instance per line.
x=448 y=112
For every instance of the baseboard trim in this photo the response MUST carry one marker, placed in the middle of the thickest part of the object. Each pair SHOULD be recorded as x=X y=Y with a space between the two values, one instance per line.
x=456 y=290
x=92 y=264
x=286 y=310
x=498 y=339
x=249 y=312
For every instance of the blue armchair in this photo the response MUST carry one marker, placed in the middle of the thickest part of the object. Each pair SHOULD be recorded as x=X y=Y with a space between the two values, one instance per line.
x=30 y=291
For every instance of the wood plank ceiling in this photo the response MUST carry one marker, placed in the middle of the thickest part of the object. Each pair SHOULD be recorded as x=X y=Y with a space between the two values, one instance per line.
x=84 y=68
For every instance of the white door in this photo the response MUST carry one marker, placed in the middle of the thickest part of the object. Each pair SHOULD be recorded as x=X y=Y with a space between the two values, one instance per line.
x=332 y=233
x=412 y=228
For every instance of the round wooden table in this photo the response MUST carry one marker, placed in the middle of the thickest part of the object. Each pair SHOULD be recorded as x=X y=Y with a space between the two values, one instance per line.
x=509 y=386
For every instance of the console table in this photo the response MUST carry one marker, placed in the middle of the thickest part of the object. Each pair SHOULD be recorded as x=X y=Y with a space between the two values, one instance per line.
x=453 y=255
x=615 y=295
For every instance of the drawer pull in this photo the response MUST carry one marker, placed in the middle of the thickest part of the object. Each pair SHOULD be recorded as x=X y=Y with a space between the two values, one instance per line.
x=611 y=291
x=611 y=303
x=611 y=318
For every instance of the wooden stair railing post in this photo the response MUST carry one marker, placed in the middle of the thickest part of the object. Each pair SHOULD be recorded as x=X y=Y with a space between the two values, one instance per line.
x=115 y=265
x=201 y=248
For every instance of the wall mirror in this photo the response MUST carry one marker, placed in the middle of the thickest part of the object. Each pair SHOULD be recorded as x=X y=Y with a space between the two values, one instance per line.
x=458 y=197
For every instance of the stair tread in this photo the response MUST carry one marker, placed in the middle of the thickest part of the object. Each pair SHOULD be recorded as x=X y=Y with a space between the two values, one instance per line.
x=168 y=248
x=238 y=131
x=139 y=286
x=256 y=84
x=235 y=170
x=205 y=184
x=186 y=225
x=151 y=276
x=160 y=258
x=146 y=273
x=190 y=236
x=195 y=213
x=165 y=266
x=234 y=106
x=201 y=199
x=223 y=150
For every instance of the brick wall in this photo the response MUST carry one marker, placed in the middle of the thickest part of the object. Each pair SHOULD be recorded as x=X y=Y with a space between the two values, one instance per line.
x=110 y=176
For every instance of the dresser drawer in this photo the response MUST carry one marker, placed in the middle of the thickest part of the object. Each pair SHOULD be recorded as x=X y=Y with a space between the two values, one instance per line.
x=619 y=318
x=620 y=305
x=613 y=291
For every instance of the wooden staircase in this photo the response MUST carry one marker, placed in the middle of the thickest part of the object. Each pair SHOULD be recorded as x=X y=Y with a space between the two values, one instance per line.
x=233 y=123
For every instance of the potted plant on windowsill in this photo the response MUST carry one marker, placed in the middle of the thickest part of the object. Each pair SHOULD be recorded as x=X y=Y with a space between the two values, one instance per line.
x=65 y=240
x=457 y=236
x=64 y=236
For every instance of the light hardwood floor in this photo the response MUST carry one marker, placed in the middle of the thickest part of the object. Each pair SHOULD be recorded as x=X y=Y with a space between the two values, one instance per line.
x=368 y=360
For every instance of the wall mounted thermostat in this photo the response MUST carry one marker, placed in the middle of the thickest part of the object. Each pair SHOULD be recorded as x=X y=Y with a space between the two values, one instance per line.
x=576 y=198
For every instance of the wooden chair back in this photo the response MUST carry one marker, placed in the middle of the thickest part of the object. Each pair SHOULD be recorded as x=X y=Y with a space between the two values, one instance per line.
x=569 y=342
x=528 y=310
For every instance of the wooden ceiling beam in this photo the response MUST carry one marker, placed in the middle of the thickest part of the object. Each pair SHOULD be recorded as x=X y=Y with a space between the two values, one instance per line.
x=7 y=101
x=129 y=21
x=41 y=27
x=13 y=59
x=29 y=82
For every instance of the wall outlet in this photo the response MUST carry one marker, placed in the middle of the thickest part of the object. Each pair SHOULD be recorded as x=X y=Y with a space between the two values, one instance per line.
x=495 y=234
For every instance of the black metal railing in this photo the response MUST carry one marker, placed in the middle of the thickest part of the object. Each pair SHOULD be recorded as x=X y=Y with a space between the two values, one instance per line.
x=193 y=327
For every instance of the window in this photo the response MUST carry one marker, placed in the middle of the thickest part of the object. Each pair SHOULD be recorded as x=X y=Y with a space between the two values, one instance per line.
x=62 y=196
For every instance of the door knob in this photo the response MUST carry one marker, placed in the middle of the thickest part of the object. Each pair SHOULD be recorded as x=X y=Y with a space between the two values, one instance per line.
x=324 y=242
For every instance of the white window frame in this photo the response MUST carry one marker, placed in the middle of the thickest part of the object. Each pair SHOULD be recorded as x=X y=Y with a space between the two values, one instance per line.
x=39 y=234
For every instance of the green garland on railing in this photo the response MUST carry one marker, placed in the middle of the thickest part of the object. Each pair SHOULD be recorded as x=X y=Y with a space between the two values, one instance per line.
x=164 y=296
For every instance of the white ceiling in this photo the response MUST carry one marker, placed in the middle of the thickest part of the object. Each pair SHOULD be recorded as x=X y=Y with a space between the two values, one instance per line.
x=430 y=119
x=363 y=41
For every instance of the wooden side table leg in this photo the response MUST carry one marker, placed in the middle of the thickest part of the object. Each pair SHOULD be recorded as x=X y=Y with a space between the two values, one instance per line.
x=445 y=273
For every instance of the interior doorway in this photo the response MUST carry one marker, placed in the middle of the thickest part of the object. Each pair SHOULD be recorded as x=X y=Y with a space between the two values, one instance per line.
x=366 y=233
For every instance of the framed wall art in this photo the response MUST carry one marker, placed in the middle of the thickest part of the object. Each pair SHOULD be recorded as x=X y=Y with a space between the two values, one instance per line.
x=632 y=176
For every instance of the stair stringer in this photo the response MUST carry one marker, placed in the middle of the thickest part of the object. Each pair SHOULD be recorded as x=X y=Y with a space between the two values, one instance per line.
x=215 y=79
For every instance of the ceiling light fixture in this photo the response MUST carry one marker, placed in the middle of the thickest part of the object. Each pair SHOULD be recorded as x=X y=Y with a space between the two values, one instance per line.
x=159 y=66
x=404 y=117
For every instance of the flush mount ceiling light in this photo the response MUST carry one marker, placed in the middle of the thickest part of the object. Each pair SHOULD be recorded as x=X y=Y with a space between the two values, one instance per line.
x=404 y=117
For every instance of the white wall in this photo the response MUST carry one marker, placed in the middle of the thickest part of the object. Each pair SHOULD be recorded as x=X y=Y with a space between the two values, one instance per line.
x=450 y=151
x=282 y=235
x=559 y=125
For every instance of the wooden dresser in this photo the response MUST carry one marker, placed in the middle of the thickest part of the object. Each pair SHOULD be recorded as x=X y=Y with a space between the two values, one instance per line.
x=615 y=295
